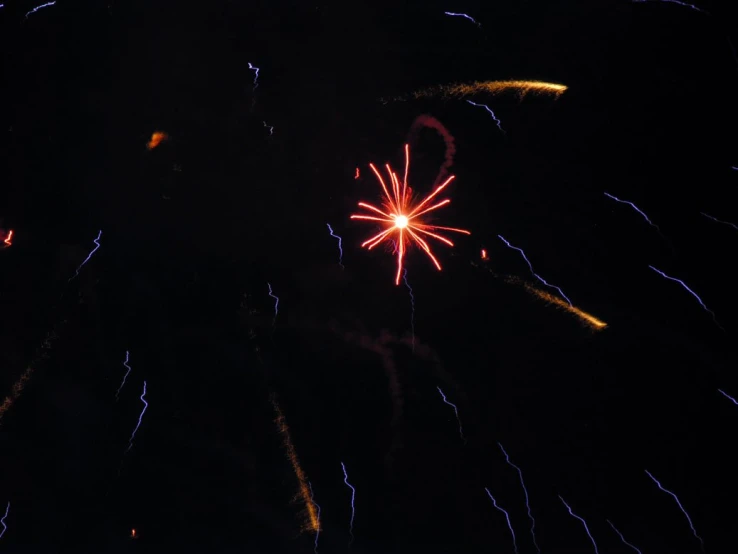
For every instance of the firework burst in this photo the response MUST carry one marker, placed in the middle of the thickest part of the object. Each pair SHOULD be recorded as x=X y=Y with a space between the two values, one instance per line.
x=403 y=217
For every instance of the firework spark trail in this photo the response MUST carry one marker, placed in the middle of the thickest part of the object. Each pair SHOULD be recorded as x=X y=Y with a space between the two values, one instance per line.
x=583 y=523
x=465 y=17
x=313 y=517
x=412 y=307
x=317 y=507
x=594 y=323
x=461 y=90
x=340 y=245
x=353 y=497
x=34 y=10
x=456 y=411
x=25 y=377
x=507 y=517
x=9 y=239
x=494 y=117
x=270 y=127
x=402 y=218
x=357 y=174
x=140 y=417
x=276 y=304
x=125 y=363
x=636 y=208
x=97 y=245
x=429 y=122
x=256 y=75
x=690 y=292
x=2 y=520
x=622 y=538
x=733 y=225
x=527 y=500
x=674 y=496
x=726 y=395
x=18 y=387
x=690 y=6
x=386 y=357
x=530 y=265
x=385 y=347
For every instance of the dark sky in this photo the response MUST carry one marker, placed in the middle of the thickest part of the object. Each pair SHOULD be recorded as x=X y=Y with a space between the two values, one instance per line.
x=195 y=230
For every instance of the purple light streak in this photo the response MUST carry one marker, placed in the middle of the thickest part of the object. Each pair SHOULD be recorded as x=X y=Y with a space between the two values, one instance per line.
x=674 y=496
x=412 y=307
x=97 y=245
x=317 y=531
x=726 y=395
x=636 y=208
x=733 y=225
x=353 y=497
x=34 y=10
x=583 y=523
x=146 y=405
x=507 y=517
x=494 y=117
x=276 y=304
x=690 y=292
x=456 y=411
x=690 y=6
x=541 y=279
x=340 y=245
x=527 y=501
x=256 y=74
x=125 y=363
x=2 y=520
x=465 y=17
x=622 y=538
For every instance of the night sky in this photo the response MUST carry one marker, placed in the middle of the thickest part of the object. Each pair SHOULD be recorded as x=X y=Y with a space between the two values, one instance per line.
x=195 y=231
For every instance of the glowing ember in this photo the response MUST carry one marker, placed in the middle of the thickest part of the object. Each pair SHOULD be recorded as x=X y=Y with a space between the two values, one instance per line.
x=157 y=137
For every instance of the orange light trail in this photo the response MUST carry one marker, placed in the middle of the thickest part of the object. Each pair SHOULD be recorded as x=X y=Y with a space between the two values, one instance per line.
x=156 y=138
x=495 y=87
x=16 y=391
x=588 y=319
x=22 y=381
x=312 y=520
x=402 y=218
x=9 y=239
x=460 y=90
x=484 y=255
x=357 y=174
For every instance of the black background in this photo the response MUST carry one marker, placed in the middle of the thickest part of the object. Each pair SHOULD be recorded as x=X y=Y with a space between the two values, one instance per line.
x=193 y=231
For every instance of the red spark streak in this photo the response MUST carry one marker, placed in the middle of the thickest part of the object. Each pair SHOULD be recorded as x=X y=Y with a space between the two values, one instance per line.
x=9 y=238
x=402 y=217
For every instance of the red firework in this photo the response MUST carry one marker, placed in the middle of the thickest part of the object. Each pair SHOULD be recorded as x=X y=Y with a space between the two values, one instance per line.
x=403 y=218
